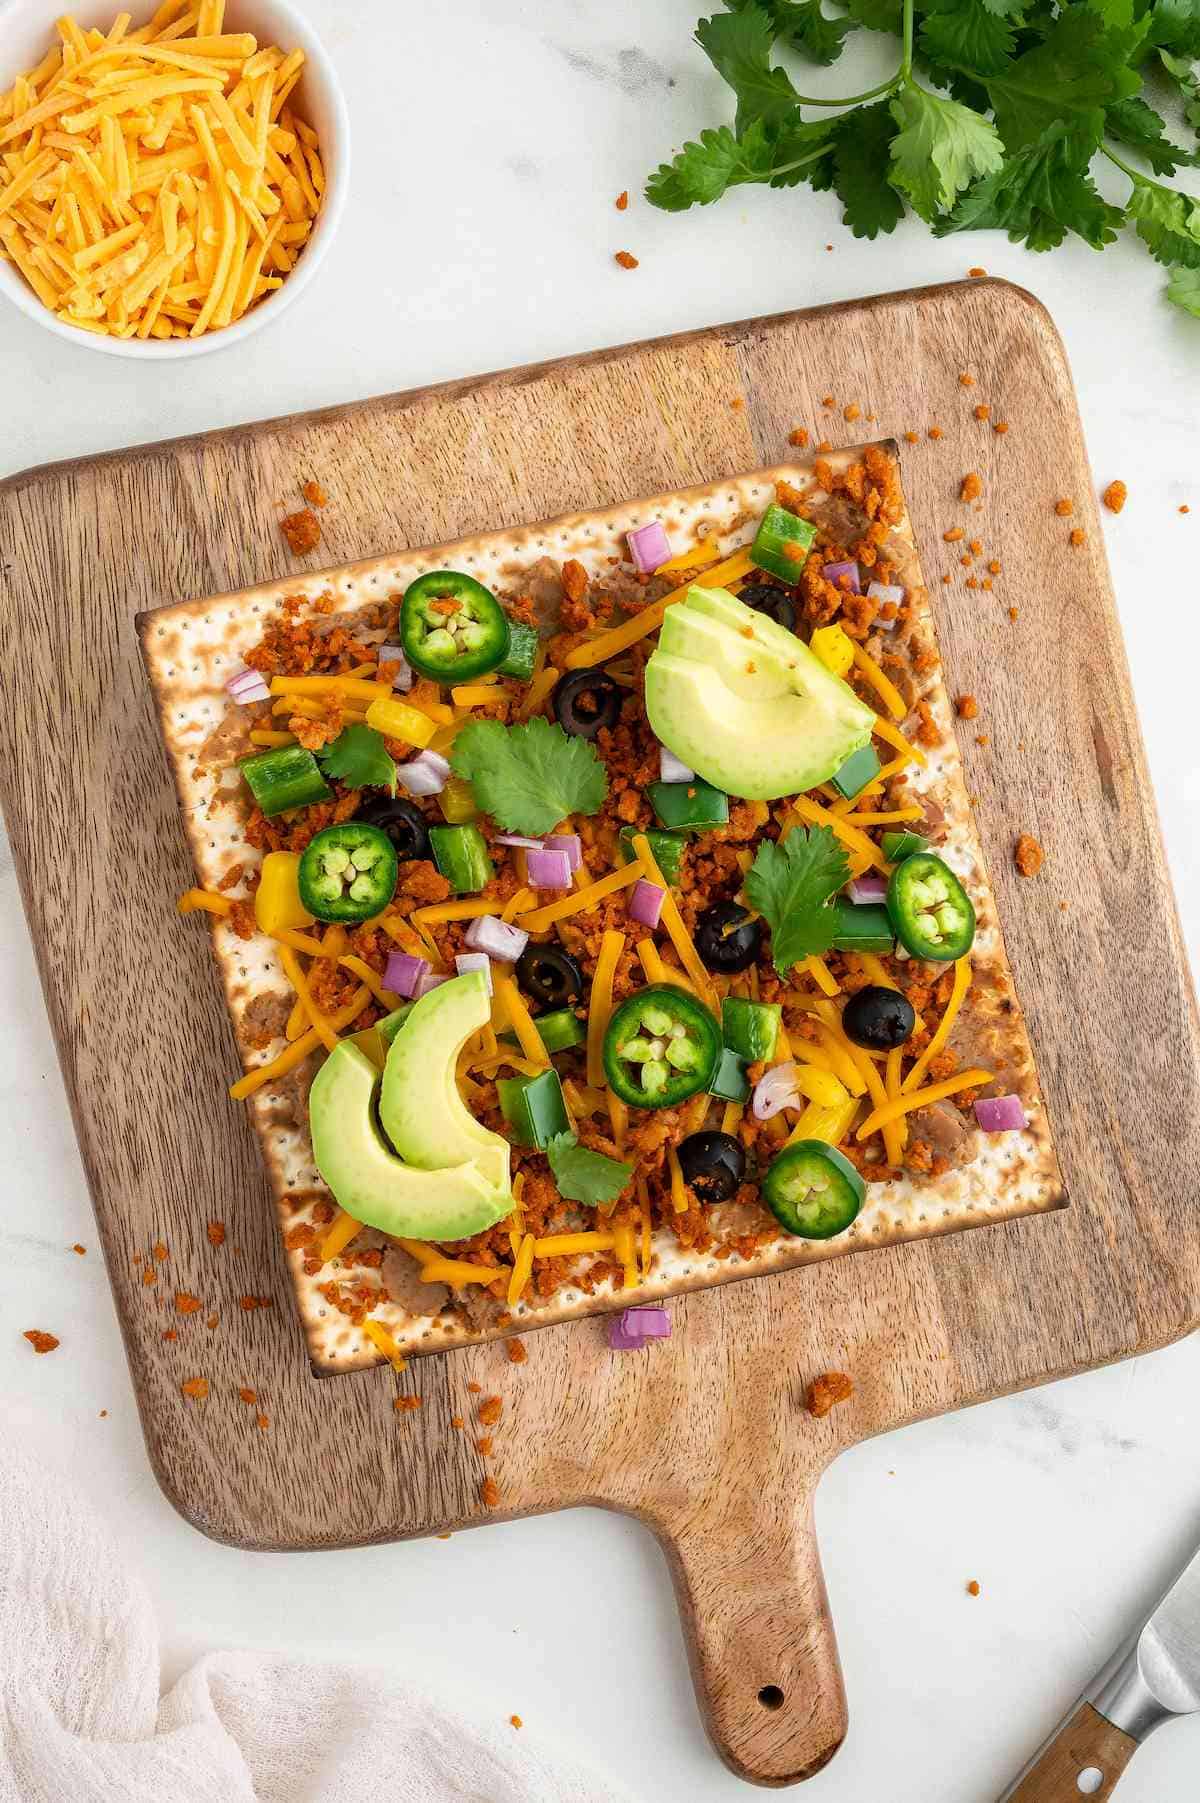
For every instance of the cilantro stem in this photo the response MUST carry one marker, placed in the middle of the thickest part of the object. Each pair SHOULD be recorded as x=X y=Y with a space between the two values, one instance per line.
x=907 y=33
x=903 y=74
x=1140 y=181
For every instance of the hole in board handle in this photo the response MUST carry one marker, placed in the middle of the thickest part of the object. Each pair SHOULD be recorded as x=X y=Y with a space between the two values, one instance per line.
x=771 y=1697
x=1089 y=1780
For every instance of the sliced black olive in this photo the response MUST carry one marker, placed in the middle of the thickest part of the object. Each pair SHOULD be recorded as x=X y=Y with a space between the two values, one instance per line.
x=713 y=1164
x=585 y=701
x=878 y=1018
x=402 y=821
x=727 y=938
x=776 y=603
x=550 y=975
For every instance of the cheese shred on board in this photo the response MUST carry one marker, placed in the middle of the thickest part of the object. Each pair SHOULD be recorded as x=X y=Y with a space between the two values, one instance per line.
x=156 y=183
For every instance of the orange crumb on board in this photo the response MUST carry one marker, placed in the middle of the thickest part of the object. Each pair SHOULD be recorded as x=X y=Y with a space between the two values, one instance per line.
x=972 y=582
x=1184 y=508
x=103 y=1414
x=264 y=1422
x=314 y=494
x=966 y=707
x=211 y=1322
x=475 y=1389
x=404 y=1405
x=973 y=1587
x=247 y=1396
x=516 y=1721
x=1064 y=507
x=249 y=1302
x=1115 y=496
x=443 y=1536
x=483 y=1446
x=169 y=1333
x=827 y=400
x=516 y=1352
x=216 y=1233
x=186 y=1303
x=622 y=200
x=159 y=1251
x=489 y=1493
x=738 y=402
x=981 y=738
x=41 y=1342
x=1078 y=535
x=975 y=547
x=78 y=1248
x=149 y=1274
x=971 y=486
x=986 y=583
x=976 y=273
x=983 y=411
x=953 y=535
x=825 y=445
x=966 y=559
x=966 y=379
x=1028 y=855
x=935 y=431
x=851 y=411
x=457 y=1421
x=195 y=1387
x=626 y=259
x=912 y=438
x=302 y=531
x=490 y=1410
x=799 y=437
x=994 y=567
x=826 y=1391
x=947 y=579
x=1013 y=613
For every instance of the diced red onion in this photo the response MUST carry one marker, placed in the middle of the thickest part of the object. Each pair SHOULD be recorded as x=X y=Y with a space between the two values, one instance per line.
x=404 y=972
x=548 y=869
x=671 y=769
x=645 y=904
x=884 y=592
x=248 y=686
x=775 y=1090
x=649 y=546
x=632 y=1329
x=1001 y=1114
x=498 y=938
x=465 y=961
x=403 y=675
x=426 y=774
x=868 y=889
x=568 y=842
x=833 y=572
x=516 y=839
x=430 y=980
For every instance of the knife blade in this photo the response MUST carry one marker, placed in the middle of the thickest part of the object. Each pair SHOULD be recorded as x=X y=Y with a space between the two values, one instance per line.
x=1151 y=1678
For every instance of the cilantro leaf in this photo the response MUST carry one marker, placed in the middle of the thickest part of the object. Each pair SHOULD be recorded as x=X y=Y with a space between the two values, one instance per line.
x=529 y=777
x=1134 y=123
x=876 y=15
x=360 y=758
x=1037 y=197
x=1186 y=82
x=860 y=165
x=968 y=37
x=738 y=45
x=940 y=149
x=803 y=25
x=1183 y=290
x=583 y=1175
x=702 y=172
x=1175 y=25
x=1168 y=223
x=791 y=884
x=1078 y=69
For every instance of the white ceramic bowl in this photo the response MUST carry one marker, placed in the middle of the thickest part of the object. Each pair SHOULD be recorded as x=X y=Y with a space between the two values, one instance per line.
x=27 y=32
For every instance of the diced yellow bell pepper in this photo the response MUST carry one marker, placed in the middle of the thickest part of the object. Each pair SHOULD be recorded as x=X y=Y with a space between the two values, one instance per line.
x=277 y=904
x=833 y=647
x=830 y=1124
x=396 y=720
x=821 y=1087
x=457 y=801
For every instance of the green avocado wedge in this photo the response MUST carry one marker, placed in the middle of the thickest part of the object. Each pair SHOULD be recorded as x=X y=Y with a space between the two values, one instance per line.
x=745 y=704
x=367 y=1178
x=420 y=1108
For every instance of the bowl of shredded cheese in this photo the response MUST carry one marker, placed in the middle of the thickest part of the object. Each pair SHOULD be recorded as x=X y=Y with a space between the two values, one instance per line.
x=169 y=179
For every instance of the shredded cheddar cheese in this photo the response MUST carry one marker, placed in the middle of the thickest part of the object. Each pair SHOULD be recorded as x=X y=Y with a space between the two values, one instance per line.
x=538 y=919
x=618 y=1117
x=538 y=692
x=299 y=982
x=624 y=1245
x=528 y=1038
x=297 y=1053
x=813 y=814
x=522 y=1268
x=962 y=982
x=679 y=1195
x=362 y=970
x=376 y=1331
x=892 y=818
x=568 y=1245
x=339 y=1236
x=612 y=643
x=821 y=975
x=678 y=934
x=600 y=1006
x=887 y=691
x=883 y=729
x=657 y=969
x=439 y=912
x=732 y=1116
x=458 y=1273
x=193 y=899
x=643 y=1196
x=920 y=1098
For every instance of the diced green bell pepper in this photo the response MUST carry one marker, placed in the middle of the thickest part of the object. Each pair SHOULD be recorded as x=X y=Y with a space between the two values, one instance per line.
x=286 y=777
x=558 y=1031
x=461 y=854
x=522 y=651
x=778 y=533
x=860 y=768
x=863 y=928
x=668 y=851
x=691 y=807
x=898 y=846
x=534 y=1108
x=730 y=1082
x=750 y=1028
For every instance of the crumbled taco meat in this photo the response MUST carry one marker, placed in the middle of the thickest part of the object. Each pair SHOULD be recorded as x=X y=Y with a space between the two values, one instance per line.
x=186 y=1303
x=1028 y=855
x=622 y=200
x=826 y=1391
x=40 y=1341
x=1078 y=535
x=1064 y=507
x=971 y=486
x=314 y=494
x=626 y=259
x=216 y=1233
x=302 y=531
x=1115 y=496
x=489 y=1493
x=195 y=1388
x=966 y=707
x=78 y=1248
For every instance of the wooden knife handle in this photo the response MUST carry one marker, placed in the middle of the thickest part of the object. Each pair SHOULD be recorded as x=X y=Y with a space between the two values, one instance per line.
x=1085 y=1746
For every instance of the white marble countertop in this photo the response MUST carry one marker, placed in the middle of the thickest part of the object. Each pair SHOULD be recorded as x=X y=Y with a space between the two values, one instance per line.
x=480 y=234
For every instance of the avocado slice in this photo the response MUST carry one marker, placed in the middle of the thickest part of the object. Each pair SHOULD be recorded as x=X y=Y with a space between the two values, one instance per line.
x=778 y=728
x=420 y=1108
x=367 y=1178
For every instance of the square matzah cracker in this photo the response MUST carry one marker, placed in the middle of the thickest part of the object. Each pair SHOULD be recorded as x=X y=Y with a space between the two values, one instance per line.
x=190 y=650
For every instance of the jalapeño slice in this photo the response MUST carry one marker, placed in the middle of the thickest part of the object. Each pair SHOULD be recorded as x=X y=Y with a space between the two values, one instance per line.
x=348 y=872
x=930 y=909
x=452 y=628
x=661 y=1047
x=813 y=1191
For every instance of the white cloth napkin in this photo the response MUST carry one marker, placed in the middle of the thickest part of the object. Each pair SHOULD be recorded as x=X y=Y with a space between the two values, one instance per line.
x=82 y=1721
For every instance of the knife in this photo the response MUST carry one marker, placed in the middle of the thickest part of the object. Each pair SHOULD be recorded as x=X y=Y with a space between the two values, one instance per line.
x=1154 y=1676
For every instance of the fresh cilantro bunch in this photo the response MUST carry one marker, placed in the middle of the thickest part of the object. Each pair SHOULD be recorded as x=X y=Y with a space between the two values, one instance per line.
x=791 y=884
x=582 y=1175
x=359 y=757
x=529 y=777
x=1017 y=99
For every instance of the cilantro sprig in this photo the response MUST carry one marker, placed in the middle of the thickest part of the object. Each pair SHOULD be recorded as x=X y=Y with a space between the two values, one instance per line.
x=359 y=757
x=529 y=777
x=583 y=1175
x=791 y=884
x=993 y=119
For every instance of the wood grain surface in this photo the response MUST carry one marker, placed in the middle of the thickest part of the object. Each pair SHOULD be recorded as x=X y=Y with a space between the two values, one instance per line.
x=1087 y=1744
x=705 y=1437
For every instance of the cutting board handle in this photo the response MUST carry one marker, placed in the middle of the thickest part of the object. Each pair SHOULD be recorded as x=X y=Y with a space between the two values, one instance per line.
x=760 y=1639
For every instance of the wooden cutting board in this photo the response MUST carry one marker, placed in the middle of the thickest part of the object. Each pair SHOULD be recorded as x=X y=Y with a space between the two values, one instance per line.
x=704 y=1438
